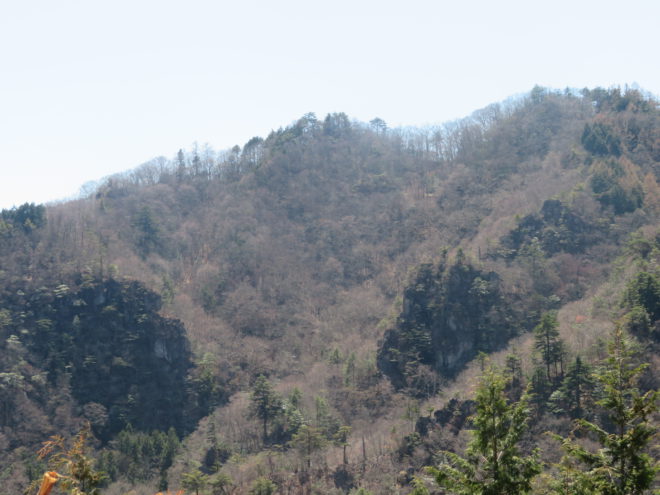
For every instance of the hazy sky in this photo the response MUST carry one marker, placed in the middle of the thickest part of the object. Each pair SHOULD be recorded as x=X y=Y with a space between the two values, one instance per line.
x=89 y=88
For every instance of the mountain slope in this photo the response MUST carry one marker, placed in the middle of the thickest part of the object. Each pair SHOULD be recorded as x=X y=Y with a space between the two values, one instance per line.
x=363 y=265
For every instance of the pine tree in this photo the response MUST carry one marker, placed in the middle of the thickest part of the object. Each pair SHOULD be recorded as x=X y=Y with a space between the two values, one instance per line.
x=340 y=439
x=576 y=386
x=307 y=441
x=221 y=484
x=263 y=486
x=265 y=404
x=548 y=343
x=621 y=466
x=493 y=465
x=194 y=480
x=540 y=389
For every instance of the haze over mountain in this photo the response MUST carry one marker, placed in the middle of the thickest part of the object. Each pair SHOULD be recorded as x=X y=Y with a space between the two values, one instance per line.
x=312 y=312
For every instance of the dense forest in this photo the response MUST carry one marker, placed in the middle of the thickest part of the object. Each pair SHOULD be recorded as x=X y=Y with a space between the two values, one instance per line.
x=343 y=307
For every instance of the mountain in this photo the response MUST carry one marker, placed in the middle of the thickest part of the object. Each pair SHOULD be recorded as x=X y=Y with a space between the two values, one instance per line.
x=314 y=307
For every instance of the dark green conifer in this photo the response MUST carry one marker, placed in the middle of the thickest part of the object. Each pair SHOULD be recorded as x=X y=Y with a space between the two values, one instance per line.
x=494 y=464
x=548 y=343
x=621 y=466
x=577 y=386
x=265 y=404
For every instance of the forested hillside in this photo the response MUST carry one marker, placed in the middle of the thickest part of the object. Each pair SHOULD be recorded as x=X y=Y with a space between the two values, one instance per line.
x=336 y=307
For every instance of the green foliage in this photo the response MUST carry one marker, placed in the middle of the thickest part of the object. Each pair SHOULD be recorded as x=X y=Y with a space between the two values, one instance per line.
x=78 y=475
x=577 y=387
x=644 y=291
x=139 y=456
x=614 y=100
x=340 y=439
x=308 y=441
x=325 y=420
x=549 y=345
x=408 y=444
x=642 y=298
x=513 y=369
x=5 y=318
x=297 y=244
x=599 y=138
x=107 y=339
x=25 y=218
x=615 y=183
x=336 y=125
x=638 y=323
x=194 y=480
x=449 y=315
x=361 y=491
x=557 y=228
x=221 y=484
x=540 y=388
x=263 y=486
x=147 y=231
x=621 y=466
x=265 y=403
x=493 y=465
x=295 y=398
x=218 y=451
x=419 y=487
x=204 y=385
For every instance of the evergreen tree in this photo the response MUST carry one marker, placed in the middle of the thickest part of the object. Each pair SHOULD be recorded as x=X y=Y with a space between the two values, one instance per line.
x=644 y=291
x=147 y=231
x=194 y=480
x=576 y=386
x=419 y=488
x=540 y=389
x=265 y=404
x=263 y=486
x=325 y=421
x=548 y=343
x=340 y=439
x=493 y=465
x=221 y=484
x=307 y=441
x=513 y=369
x=621 y=466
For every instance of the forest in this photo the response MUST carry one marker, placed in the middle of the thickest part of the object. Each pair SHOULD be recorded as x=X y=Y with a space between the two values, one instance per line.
x=341 y=307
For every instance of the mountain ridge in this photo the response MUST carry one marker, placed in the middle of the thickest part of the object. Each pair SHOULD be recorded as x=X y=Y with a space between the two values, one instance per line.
x=299 y=254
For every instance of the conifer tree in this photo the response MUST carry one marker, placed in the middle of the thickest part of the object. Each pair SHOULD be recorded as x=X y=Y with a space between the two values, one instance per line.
x=340 y=439
x=307 y=441
x=548 y=343
x=194 y=480
x=621 y=466
x=540 y=389
x=493 y=465
x=265 y=404
x=577 y=384
x=263 y=486
x=513 y=369
x=221 y=484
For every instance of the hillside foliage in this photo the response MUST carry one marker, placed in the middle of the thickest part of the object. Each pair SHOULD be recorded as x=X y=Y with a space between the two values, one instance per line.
x=310 y=312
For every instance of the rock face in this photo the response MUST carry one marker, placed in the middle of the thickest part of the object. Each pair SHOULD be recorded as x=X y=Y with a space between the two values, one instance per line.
x=449 y=315
x=124 y=362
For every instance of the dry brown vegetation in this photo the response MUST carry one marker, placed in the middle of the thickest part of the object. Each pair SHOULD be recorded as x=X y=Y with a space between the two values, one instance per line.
x=289 y=259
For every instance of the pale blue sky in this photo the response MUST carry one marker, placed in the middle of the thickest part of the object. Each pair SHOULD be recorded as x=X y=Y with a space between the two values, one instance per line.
x=89 y=88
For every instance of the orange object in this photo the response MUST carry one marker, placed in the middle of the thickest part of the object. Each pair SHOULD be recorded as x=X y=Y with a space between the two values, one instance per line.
x=50 y=478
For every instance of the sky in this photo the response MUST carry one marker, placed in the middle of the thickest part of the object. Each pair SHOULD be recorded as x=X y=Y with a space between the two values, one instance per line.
x=89 y=88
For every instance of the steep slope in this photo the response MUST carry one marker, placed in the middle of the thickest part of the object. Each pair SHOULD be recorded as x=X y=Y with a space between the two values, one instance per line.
x=321 y=257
